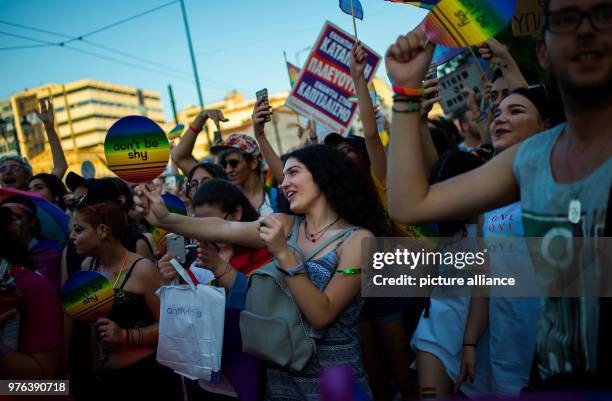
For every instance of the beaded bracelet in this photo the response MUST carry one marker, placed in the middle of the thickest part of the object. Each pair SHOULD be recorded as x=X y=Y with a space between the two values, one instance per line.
x=406 y=98
x=412 y=107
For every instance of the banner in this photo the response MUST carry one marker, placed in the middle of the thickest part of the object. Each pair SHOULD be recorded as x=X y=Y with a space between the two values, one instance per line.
x=323 y=89
x=451 y=85
x=526 y=20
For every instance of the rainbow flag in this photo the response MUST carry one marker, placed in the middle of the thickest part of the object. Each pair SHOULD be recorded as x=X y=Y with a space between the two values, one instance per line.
x=176 y=132
x=294 y=73
x=427 y=4
x=456 y=23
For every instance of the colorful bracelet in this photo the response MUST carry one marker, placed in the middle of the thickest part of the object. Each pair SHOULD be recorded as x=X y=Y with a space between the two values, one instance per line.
x=411 y=107
x=398 y=90
x=195 y=130
x=406 y=98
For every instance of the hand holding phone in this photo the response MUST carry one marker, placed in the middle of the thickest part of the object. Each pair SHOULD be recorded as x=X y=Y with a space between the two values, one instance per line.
x=176 y=246
x=263 y=95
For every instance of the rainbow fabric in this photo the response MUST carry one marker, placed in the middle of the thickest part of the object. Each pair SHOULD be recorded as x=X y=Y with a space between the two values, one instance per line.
x=294 y=73
x=130 y=151
x=455 y=24
x=87 y=296
x=427 y=4
x=176 y=132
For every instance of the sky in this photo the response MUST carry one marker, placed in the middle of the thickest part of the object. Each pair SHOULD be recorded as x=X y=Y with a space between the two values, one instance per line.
x=238 y=44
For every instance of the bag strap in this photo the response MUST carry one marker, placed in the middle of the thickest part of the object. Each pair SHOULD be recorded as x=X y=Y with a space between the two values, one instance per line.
x=344 y=233
x=183 y=273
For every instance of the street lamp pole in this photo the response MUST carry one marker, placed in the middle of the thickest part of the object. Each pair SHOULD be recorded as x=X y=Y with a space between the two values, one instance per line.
x=193 y=63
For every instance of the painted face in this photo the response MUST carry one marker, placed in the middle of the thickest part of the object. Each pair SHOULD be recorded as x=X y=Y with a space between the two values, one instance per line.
x=298 y=186
x=23 y=223
x=349 y=150
x=578 y=54
x=38 y=186
x=200 y=176
x=12 y=174
x=515 y=120
x=84 y=235
x=237 y=168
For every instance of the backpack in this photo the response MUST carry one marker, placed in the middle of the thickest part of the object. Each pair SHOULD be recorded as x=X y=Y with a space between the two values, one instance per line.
x=271 y=325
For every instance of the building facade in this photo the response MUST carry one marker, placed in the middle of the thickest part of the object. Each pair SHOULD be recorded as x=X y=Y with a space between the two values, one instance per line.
x=84 y=111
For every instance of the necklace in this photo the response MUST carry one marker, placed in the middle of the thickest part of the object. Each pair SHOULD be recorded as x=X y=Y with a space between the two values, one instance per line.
x=123 y=263
x=314 y=237
x=574 y=209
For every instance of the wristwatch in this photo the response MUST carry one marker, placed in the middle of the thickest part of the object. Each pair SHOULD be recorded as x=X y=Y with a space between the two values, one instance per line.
x=294 y=271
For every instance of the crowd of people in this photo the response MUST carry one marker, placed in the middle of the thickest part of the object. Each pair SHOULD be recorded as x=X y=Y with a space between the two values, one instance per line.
x=523 y=160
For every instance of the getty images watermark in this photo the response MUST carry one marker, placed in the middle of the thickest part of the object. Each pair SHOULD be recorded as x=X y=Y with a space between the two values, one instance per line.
x=559 y=266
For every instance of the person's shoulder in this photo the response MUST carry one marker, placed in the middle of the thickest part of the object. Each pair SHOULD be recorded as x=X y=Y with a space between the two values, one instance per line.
x=358 y=235
x=30 y=282
x=543 y=138
x=142 y=268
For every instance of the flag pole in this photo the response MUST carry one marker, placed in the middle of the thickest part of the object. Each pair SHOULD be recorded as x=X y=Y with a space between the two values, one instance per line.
x=476 y=60
x=354 y=23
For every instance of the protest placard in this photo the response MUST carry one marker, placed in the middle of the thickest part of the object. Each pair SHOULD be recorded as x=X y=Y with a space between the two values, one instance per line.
x=323 y=89
x=451 y=85
x=526 y=20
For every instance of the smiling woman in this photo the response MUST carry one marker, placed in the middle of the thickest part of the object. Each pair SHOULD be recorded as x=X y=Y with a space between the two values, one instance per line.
x=328 y=194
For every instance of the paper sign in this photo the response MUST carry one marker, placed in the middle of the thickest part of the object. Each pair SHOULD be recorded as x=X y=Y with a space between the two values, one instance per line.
x=526 y=20
x=452 y=84
x=323 y=89
x=464 y=23
x=136 y=149
x=87 y=296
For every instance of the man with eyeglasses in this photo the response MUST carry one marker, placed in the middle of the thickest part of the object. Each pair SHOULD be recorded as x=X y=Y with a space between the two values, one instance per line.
x=561 y=176
x=15 y=172
x=240 y=157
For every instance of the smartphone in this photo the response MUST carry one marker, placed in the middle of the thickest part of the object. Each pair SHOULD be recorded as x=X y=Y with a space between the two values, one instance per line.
x=176 y=246
x=263 y=94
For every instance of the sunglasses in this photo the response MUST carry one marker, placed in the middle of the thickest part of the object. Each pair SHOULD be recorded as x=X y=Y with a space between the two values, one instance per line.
x=81 y=203
x=233 y=163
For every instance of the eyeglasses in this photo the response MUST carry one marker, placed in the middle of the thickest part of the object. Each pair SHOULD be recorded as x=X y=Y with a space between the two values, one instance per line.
x=569 y=20
x=12 y=168
x=233 y=163
x=195 y=184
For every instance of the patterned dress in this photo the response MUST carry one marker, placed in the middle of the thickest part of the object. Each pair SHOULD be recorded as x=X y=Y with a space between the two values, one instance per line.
x=337 y=344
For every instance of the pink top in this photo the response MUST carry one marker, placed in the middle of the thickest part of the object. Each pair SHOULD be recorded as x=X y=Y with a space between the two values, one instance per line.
x=41 y=317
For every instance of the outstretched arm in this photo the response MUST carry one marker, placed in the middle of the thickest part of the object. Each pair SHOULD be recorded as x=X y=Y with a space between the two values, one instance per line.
x=150 y=203
x=260 y=114
x=59 y=158
x=411 y=199
x=376 y=151
x=182 y=153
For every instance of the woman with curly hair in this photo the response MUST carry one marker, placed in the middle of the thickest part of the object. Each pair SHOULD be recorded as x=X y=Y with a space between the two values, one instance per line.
x=327 y=195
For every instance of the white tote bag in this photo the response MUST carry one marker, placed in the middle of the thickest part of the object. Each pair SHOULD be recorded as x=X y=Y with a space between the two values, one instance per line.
x=191 y=328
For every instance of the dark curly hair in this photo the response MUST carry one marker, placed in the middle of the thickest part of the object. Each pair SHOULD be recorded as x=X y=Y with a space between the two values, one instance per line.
x=55 y=186
x=226 y=196
x=345 y=186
